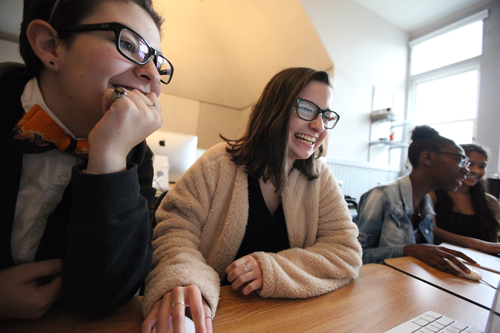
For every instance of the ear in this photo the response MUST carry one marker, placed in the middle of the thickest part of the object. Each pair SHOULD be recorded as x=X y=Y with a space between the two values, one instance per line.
x=426 y=158
x=44 y=42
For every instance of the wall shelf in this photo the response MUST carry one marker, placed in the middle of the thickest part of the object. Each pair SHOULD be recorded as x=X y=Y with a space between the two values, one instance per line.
x=391 y=144
x=385 y=141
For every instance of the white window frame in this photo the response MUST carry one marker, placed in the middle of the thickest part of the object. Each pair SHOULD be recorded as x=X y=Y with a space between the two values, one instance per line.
x=442 y=72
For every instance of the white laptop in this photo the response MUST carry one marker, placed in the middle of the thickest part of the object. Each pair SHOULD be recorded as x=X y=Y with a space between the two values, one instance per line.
x=434 y=322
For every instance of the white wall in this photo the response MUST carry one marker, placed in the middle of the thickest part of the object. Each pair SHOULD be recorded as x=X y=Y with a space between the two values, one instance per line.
x=9 y=51
x=488 y=118
x=179 y=114
x=366 y=51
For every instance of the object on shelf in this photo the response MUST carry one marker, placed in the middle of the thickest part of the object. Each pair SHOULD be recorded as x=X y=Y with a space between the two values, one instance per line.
x=391 y=144
x=382 y=114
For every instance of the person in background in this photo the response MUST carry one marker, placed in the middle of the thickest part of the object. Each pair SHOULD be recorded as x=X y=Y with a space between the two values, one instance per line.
x=470 y=216
x=262 y=213
x=396 y=219
x=76 y=174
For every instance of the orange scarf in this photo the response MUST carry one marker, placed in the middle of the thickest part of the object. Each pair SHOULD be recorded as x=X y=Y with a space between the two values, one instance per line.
x=40 y=129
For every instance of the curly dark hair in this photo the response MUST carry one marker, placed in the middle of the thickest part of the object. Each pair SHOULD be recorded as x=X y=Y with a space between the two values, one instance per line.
x=425 y=138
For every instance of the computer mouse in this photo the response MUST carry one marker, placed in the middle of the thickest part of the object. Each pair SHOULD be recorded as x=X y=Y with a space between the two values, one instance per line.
x=473 y=275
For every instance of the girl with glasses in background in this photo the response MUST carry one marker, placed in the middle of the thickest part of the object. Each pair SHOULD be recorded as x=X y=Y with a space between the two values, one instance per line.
x=470 y=216
x=76 y=174
x=261 y=213
x=396 y=219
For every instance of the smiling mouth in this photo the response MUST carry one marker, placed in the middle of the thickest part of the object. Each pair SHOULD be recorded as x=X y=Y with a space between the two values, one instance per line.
x=128 y=88
x=306 y=139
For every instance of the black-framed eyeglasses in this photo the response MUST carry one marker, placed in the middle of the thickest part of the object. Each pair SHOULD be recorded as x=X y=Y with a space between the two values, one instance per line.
x=464 y=160
x=132 y=46
x=307 y=110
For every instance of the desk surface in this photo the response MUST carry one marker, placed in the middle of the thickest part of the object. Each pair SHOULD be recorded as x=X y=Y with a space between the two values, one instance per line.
x=473 y=291
x=378 y=300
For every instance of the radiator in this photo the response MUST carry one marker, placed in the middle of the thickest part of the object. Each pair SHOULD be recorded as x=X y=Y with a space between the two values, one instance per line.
x=356 y=180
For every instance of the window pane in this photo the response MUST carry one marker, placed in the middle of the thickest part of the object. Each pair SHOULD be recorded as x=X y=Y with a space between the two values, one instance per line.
x=460 y=132
x=454 y=46
x=449 y=99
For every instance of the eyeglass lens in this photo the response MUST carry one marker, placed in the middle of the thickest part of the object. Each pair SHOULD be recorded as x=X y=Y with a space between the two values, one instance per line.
x=464 y=162
x=309 y=111
x=135 y=48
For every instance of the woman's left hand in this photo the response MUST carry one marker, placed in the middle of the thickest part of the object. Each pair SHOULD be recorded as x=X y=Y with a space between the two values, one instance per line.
x=245 y=270
x=126 y=122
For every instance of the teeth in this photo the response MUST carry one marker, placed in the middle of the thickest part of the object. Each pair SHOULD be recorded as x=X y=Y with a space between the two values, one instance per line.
x=306 y=138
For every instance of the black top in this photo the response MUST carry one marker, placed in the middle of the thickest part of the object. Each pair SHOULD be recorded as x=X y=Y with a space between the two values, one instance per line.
x=264 y=232
x=458 y=223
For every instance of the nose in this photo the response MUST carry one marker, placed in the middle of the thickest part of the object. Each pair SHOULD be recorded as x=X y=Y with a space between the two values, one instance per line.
x=465 y=170
x=317 y=123
x=473 y=169
x=148 y=71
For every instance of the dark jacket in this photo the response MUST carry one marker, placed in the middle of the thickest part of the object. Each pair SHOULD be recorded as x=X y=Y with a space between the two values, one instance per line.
x=101 y=227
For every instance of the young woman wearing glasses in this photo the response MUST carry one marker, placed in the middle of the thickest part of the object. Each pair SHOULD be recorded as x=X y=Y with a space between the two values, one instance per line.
x=261 y=213
x=470 y=216
x=396 y=219
x=90 y=87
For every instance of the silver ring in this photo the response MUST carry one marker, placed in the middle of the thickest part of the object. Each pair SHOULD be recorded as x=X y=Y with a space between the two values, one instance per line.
x=245 y=267
x=174 y=303
x=154 y=104
x=118 y=93
x=208 y=316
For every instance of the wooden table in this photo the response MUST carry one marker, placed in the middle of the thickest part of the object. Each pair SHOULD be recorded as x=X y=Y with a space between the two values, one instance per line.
x=472 y=291
x=127 y=319
x=378 y=300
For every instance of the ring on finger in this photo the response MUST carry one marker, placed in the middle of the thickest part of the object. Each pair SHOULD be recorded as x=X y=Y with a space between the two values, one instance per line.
x=245 y=267
x=153 y=105
x=118 y=93
x=209 y=316
x=174 y=303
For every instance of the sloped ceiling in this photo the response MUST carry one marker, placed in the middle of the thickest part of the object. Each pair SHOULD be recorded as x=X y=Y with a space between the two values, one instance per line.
x=225 y=51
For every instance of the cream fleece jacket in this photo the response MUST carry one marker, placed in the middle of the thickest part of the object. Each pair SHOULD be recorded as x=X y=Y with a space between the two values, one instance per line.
x=202 y=223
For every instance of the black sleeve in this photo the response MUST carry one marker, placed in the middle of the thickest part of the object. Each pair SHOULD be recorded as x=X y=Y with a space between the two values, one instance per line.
x=109 y=251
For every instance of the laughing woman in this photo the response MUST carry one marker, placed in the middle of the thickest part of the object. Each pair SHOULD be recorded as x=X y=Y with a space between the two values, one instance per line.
x=470 y=216
x=262 y=213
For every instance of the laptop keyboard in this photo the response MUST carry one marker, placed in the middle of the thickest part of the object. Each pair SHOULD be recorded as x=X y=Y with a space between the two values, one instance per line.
x=432 y=322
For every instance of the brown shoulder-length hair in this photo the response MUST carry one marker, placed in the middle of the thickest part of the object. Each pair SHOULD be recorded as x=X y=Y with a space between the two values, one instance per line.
x=263 y=147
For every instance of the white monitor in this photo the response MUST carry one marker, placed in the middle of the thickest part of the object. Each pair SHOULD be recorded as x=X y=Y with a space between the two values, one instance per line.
x=179 y=148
